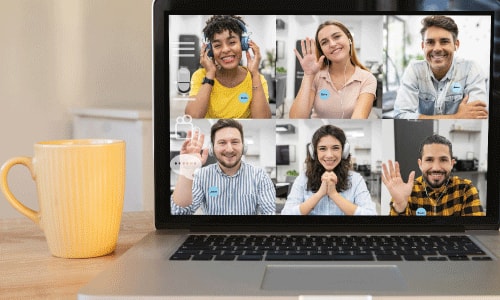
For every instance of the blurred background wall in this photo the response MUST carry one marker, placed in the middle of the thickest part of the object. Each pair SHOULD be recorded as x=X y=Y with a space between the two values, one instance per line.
x=57 y=55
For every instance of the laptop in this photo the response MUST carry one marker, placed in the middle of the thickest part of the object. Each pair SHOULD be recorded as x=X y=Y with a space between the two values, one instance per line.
x=383 y=31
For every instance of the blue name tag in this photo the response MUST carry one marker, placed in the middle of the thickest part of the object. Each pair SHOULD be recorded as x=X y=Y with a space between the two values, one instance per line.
x=213 y=191
x=324 y=94
x=244 y=98
x=421 y=211
x=456 y=87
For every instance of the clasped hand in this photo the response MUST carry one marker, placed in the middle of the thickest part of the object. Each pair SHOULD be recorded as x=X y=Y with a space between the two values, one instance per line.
x=328 y=184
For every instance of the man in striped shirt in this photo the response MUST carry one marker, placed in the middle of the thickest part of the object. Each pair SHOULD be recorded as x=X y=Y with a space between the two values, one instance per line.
x=436 y=192
x=229 y=187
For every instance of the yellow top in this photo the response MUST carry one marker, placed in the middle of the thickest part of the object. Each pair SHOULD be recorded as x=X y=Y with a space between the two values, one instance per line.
x=227 y=102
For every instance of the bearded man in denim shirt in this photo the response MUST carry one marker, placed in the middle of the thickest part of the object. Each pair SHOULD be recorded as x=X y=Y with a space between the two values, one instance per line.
x=443 y=86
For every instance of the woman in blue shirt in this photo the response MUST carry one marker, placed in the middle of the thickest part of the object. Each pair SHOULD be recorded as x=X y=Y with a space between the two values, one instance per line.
x=329 y=186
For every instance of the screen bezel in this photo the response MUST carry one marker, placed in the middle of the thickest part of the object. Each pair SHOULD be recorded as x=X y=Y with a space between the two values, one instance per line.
x=163 y=218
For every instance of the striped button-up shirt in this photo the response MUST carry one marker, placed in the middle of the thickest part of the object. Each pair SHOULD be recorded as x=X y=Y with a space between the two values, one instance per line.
x=248 y=192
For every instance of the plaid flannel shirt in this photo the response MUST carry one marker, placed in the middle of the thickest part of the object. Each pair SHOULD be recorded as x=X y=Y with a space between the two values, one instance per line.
x=457 y=198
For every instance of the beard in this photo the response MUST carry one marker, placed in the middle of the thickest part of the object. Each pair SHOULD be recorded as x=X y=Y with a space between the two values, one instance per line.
x=436 y=179
x=221 y=159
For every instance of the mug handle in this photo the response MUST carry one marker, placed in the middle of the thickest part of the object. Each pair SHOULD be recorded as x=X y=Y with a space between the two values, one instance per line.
x=21 y=160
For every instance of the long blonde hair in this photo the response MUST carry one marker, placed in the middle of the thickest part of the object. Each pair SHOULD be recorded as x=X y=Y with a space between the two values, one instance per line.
x=354 y=57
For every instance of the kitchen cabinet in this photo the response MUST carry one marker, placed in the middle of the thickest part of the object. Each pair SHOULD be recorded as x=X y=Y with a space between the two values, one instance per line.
x=135 y=128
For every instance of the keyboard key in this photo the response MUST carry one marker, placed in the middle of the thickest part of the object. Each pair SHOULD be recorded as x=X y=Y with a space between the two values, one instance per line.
x=203 y=257
x=437 y=258
x=177 y=256
x=458 y=257
x=287 y=257
x=249 y=257
x=354 y=257
x=414 y=257
x=388 y=257
x=224 y=257
x=478 y=258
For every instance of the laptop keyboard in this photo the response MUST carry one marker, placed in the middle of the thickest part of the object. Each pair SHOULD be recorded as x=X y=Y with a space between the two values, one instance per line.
x=329 y=248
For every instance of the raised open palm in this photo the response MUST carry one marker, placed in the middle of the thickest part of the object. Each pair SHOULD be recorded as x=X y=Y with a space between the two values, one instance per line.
x=399 y=190
x=308 y=61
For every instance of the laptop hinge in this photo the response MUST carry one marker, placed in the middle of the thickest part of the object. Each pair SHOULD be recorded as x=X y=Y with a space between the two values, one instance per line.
x=326 y=229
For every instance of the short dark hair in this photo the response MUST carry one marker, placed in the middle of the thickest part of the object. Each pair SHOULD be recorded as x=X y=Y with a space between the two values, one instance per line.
x=223 y=123
x=435 y=139
x=440 y=21
x=219 y=23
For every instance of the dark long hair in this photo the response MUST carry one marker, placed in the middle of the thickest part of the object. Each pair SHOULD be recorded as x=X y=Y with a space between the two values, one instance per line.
x=314 y=169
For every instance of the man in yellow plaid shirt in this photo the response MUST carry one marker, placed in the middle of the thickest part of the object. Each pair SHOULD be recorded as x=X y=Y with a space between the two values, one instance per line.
x=436 y=192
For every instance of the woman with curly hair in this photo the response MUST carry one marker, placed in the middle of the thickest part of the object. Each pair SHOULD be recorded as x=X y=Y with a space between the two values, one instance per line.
x=329 y=186
x=222 y=87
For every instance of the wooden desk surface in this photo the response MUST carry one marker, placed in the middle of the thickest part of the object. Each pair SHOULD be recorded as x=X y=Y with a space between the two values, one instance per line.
x=28 y=270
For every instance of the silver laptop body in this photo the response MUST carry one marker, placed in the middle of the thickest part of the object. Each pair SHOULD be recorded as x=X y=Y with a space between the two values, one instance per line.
x=146 y=270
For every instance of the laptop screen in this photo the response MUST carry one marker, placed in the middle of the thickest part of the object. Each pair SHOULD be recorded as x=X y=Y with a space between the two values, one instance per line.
x=370 y=115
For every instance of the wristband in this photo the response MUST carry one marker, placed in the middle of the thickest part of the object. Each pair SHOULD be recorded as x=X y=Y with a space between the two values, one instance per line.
x=209 y=81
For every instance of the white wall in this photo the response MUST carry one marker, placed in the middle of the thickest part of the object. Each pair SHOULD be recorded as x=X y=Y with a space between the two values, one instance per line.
x=58 y=54
x=389 y=153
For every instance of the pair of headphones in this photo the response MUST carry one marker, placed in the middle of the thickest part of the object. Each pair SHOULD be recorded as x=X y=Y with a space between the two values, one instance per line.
x=245 y=38
x=211 y=149
x=345 y=151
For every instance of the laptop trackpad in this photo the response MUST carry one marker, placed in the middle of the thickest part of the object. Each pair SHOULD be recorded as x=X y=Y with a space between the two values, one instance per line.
x=333 y=278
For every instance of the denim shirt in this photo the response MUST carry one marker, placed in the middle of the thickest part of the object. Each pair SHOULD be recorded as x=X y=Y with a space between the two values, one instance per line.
x=358 y=194
x=421 y=93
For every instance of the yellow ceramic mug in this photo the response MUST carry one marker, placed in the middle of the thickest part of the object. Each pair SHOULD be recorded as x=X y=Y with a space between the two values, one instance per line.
x=80 y=185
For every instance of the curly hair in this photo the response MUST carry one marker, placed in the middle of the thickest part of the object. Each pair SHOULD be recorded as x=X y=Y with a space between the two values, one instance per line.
x=219 y=23
x=314 y=169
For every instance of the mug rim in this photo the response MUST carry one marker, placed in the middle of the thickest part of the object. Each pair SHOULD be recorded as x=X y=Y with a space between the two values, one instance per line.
x=80 y=142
